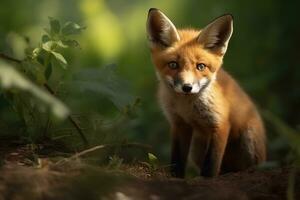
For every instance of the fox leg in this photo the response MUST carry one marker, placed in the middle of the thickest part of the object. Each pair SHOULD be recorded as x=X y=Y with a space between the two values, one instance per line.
x=213 y=159
x=251 y=147
x=199 y=148
x=181 y=139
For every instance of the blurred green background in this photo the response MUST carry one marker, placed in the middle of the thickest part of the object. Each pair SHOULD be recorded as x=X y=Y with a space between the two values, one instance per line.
x=262 y=56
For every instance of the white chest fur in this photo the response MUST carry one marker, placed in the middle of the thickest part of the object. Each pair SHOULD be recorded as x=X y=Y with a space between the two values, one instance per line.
x=199 y=110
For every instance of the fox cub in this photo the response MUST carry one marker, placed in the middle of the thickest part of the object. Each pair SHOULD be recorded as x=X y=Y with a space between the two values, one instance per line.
x=206 y=108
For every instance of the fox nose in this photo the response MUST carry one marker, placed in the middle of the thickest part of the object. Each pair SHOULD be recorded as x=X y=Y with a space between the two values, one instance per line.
x=187 y=88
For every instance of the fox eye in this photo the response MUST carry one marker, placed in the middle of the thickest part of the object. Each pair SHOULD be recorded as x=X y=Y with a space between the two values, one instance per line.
x=201 y=66
x=173 y=65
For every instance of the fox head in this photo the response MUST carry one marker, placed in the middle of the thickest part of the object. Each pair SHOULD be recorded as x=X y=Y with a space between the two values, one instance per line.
x=187 y=60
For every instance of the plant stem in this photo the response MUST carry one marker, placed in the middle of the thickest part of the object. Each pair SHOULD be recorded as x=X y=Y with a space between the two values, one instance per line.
x=92 y=149
x=49 y=89
x=5 y=57
x=70 y=118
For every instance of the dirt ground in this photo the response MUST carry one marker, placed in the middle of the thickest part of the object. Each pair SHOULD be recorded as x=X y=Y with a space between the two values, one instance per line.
x=21 y=177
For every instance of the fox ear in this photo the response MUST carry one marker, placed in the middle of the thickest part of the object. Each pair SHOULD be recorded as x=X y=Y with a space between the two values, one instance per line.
x=161 y=31
x=215 y=36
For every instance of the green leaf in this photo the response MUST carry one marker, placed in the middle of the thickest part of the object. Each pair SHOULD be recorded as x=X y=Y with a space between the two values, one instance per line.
x=54 y=25
x=62 y=61
x=45 y=38
x=152 y=159
x=52 y=45
x=61 y=44
x=49 y=46
x=48 y=71
x=36 y=52
x=12 y=79
x=71 y=43
x=71 y=28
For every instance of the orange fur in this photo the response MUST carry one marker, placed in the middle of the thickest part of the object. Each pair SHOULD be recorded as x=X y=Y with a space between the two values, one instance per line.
x=220 y=121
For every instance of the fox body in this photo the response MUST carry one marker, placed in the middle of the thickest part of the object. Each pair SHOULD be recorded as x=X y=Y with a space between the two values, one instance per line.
x=209 y=114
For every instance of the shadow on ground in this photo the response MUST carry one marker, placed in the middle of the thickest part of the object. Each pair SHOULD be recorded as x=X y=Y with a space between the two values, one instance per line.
x=75 y=180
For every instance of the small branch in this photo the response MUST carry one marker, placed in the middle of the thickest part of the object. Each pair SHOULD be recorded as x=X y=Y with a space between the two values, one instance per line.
x=6 y=57
x=79 y=130
x=138 y=145
x=77 y=155
x=70 y=118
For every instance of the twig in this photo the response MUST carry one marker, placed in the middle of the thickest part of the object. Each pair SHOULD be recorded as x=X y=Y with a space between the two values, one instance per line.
x=77 y=155
x=86 y=151
x=70 y=118
x=47 y=126
x=6 y=57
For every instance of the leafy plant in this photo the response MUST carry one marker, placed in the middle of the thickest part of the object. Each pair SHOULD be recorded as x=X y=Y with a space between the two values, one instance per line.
x=12 y=80
x=153 y=162
x=33 y=73
x=47 y=54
